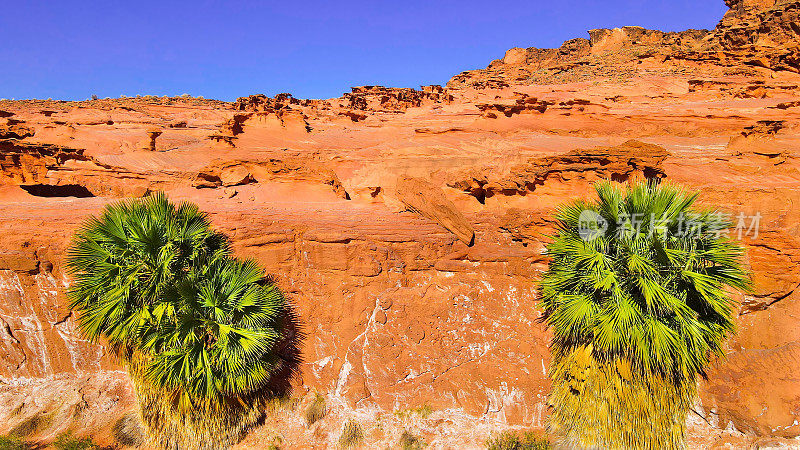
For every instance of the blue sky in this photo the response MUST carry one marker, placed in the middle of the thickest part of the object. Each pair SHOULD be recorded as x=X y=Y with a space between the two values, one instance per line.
x=314 y=49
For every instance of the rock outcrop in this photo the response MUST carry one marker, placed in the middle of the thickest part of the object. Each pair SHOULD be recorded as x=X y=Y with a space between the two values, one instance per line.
x=426 y=199
x=15 y=129
x=753 y=33
x=407 y=226
x=632 y=159
x=763 y=33
x=380 y=98
x=239 y=172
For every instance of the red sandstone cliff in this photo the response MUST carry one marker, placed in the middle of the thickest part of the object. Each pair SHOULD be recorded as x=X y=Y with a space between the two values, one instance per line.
x=407 y=224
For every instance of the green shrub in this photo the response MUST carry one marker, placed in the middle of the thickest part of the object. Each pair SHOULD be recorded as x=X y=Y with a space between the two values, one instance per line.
x=66 y=441
x=509 y=440
x=352 y=435
x=13 y=443
x=316 y=410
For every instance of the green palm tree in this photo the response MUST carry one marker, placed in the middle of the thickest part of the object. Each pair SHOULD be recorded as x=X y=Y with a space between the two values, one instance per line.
x=203 y=334
x=638 y=297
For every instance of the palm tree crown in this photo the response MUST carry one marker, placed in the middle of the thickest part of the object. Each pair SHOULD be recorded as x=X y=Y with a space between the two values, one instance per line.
x=650 y=287
x=123 y=261
x=214 y=335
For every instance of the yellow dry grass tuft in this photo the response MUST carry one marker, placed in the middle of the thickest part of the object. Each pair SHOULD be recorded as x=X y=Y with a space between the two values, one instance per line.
x=352 y=435
x=317 y=410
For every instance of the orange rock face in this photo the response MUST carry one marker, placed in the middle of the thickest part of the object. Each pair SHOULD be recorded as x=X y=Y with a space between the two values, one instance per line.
x=408 y=225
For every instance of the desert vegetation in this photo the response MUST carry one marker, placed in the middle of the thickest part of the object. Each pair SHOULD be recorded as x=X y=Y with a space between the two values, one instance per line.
x=316 y=410
x=352 y=434
x=422 y=411
x=206 y=337
x=510 y=440
x=69 y=442
x=410 y=441
x=639 y=300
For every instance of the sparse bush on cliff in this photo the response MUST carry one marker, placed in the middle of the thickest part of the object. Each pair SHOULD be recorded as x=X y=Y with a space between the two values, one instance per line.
x=128 y=432
x=638 y=303
x=204 y=335
x=32 y=425
x=423 y=411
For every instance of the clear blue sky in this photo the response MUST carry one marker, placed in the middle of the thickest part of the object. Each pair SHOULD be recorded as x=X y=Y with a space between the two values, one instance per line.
x=68 y=49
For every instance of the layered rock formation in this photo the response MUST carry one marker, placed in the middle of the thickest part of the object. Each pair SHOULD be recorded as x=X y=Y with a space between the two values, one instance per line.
x=765 y=33
x=408 y=227
x=752 y=34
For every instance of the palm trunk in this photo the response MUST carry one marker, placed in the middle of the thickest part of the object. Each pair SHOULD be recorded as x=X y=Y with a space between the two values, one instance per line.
x=604 y=405
x=174 y=428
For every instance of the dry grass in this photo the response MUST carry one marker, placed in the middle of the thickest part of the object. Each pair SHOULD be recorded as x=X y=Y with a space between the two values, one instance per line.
x=352 y=435
x=198 y=428
x=422 y=411
x=409 y=441
x=18 y=410
x=128 y=431
x=32 y=425
x=608 y=405
x=512 y=441
x=316 y=410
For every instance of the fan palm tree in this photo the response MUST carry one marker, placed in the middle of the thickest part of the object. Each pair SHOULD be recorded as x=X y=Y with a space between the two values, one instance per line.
x=202 y=333
x=638 y=297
